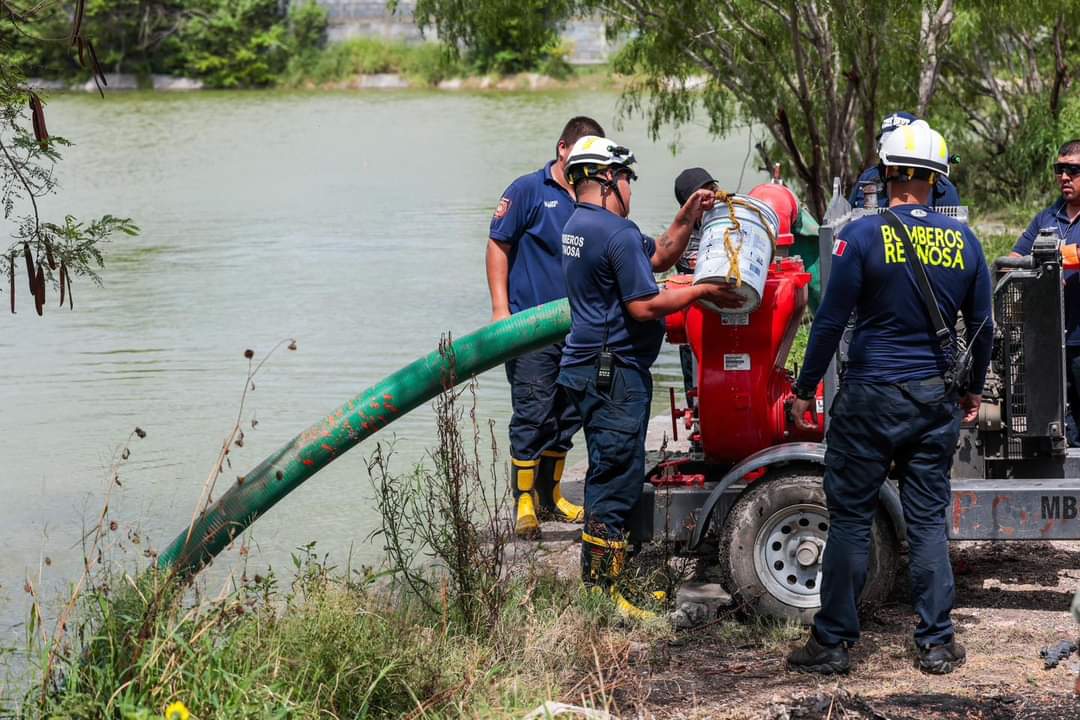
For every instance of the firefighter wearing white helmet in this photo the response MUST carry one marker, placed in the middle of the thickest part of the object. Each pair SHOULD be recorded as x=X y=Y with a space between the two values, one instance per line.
x=524 y=269
x=596 y=159
x=615 y=336
x=901 y=399
x=869 y=190
x=917 y=151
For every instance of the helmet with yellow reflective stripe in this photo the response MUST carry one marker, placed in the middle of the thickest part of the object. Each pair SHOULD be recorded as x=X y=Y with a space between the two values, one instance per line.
x=917 y=146
x=593 y=154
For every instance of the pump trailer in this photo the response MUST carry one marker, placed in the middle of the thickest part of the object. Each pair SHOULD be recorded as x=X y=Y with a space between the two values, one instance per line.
x=749 y=490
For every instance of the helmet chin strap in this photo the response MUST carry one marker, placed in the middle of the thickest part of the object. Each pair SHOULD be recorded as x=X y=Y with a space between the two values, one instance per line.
x=607 y=187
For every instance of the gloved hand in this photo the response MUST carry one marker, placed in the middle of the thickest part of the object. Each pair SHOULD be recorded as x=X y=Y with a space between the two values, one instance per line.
x=1076 y=606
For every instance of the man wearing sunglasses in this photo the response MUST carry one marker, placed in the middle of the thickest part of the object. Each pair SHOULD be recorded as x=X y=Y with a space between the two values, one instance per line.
x=615 y=335
x=1063 y=217
x=524 y=269
x=943 y=194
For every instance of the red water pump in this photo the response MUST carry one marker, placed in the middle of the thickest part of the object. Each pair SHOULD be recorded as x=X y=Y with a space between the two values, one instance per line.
x=743 y=390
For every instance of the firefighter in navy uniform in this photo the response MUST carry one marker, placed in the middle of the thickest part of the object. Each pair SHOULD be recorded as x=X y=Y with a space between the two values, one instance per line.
x=524 y=269
x=895 y=403
x=943 y=194
x=1063 y=218
x=615 y=336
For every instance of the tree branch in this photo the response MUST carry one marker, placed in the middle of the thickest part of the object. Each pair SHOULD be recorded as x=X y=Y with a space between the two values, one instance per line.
x=933 y=33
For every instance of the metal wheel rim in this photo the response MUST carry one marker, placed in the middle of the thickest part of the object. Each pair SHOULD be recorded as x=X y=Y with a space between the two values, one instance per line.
x=777 y=566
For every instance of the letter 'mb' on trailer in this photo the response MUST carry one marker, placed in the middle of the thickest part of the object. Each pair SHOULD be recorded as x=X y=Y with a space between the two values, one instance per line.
x=1058 y=507
x=1015 y=510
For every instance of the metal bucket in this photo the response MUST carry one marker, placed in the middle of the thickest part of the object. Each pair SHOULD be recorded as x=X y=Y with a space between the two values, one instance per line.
x=754 y=241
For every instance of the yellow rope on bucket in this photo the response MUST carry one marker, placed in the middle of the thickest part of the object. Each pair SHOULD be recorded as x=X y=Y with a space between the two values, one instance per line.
x=734 y=252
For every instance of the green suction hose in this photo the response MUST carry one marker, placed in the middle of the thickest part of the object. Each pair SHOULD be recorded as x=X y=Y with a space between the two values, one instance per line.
x=371 y=411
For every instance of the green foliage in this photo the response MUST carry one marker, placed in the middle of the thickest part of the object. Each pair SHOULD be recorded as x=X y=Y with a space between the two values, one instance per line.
x=248 y=43
x=818 y=77
x=810 y=75
x=1009 y=97
x=46 y=253
x=236 y=43
x=226 y=43
x=136 y=36
x=503 y=36
x=22 y=48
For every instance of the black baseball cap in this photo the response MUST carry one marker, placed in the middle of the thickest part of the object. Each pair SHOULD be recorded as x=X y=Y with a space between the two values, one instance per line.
x=689 y=181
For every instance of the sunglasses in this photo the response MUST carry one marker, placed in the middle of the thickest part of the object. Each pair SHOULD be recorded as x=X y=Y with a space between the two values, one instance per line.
x=1070 y=169
x=630 y=174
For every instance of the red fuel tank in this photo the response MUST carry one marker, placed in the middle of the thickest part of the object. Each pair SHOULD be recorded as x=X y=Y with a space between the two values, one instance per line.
x=743 y=388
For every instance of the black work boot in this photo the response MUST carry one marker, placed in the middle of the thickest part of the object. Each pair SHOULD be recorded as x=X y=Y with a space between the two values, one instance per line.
x=526 y=524
x=553 y=506
x=941 y=659
x=813 y=657
x=602 y=562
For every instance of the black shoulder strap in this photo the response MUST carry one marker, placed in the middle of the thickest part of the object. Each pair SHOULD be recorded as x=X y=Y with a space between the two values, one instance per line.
x=926 y=292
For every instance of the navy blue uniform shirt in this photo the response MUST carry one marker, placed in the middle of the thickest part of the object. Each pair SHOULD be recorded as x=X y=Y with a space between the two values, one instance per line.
x=894 y=339
x=530 y=218
x=1056 y=217
x=608 y=262
x=944 y=193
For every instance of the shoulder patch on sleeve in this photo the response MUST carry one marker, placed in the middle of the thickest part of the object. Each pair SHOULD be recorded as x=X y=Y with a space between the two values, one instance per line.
x=503 y=207
x=839 y=247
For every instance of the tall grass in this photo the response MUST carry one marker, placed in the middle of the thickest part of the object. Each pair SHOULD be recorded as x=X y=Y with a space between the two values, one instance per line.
x=425 y=63
x=328 y=645
x=454 y=631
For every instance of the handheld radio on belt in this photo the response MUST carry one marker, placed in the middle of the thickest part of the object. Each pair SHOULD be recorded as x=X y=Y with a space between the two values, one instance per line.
x=605 y=364
x=958 y=374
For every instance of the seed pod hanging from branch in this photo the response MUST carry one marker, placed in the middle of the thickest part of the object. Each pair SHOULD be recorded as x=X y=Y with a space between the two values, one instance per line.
x=30 y=274
x=76 y=23
x=37 y=115
x=11 y=276
x=95 y=68
x=39 y=290
x=63 y=281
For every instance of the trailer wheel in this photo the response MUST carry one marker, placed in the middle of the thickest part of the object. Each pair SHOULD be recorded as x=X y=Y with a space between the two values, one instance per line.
x=771 y=546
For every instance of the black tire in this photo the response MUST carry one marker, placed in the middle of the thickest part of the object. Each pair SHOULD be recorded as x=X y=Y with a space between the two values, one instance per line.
x=773 y=517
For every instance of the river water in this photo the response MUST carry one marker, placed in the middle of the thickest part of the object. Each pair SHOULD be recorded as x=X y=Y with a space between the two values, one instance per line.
x=354 y=222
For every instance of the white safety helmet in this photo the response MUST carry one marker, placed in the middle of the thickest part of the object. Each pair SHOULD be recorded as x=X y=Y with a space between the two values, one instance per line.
x=916 y=145
x=592 y=154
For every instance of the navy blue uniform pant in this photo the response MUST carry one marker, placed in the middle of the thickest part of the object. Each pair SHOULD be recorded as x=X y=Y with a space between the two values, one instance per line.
x=1072 y=394
x=615 y=421
x=544 y=418
x=871 y=426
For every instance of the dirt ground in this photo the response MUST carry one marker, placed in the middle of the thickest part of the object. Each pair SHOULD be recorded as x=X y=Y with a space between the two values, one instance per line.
x=1012 y=600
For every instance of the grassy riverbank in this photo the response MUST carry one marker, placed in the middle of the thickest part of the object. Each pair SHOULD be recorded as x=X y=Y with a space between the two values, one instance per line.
x=427 y=65
x=328 y=645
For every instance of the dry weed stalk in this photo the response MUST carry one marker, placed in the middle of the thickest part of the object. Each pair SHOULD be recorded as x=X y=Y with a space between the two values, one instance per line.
x=91 y=555
x=451 y=520
x=94 y=552
x=235 y=436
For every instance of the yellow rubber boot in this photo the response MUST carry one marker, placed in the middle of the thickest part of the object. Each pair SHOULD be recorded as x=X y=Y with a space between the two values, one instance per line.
x=552 y=503
x=602 y=562
x=526 y=524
